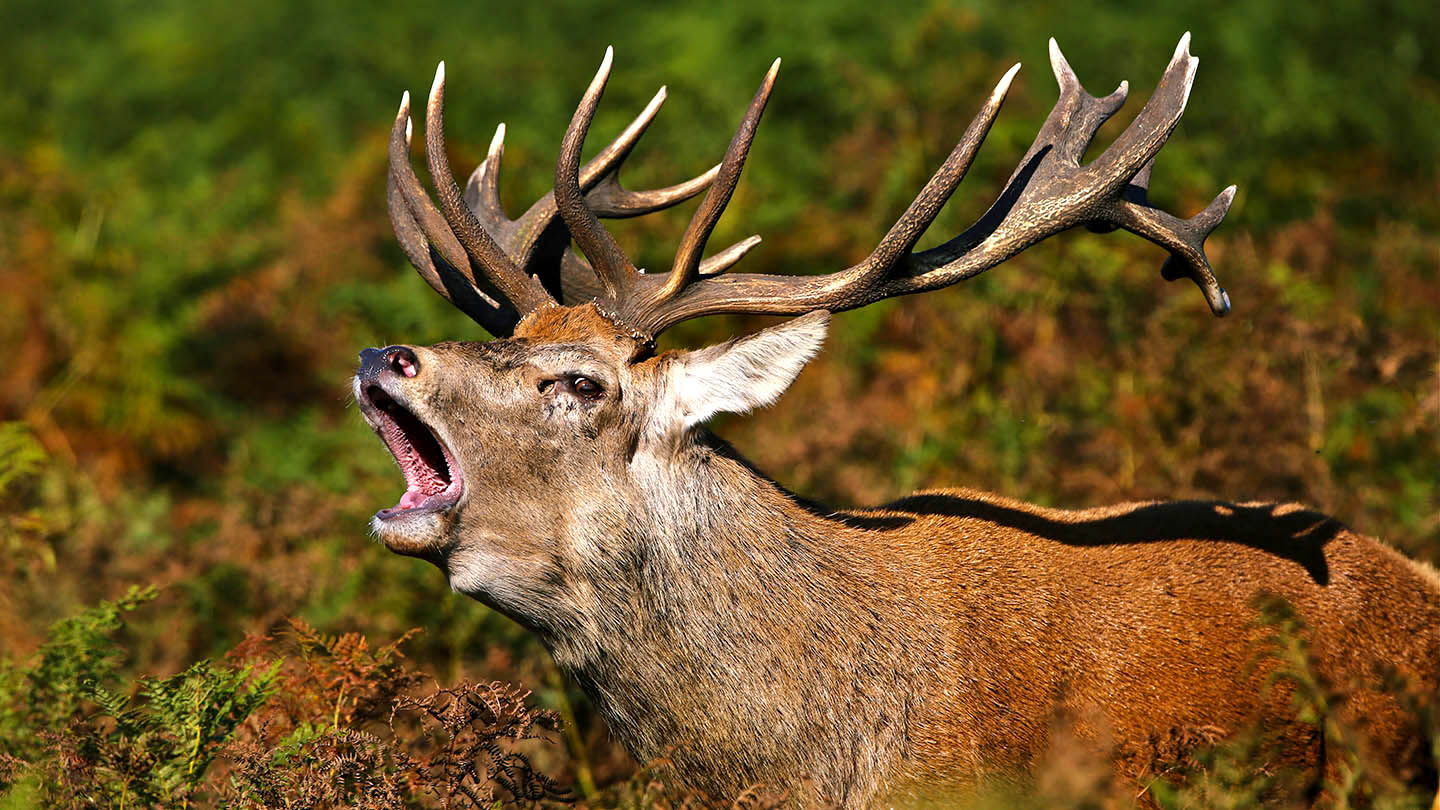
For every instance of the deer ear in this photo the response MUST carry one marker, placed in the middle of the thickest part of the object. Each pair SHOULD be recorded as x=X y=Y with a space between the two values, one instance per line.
x=742 y=374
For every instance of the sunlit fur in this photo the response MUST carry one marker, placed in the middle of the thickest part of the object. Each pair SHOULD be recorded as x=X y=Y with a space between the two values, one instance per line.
x=872 y=655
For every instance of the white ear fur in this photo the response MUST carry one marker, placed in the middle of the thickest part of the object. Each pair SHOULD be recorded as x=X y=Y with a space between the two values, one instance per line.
x=742 y=374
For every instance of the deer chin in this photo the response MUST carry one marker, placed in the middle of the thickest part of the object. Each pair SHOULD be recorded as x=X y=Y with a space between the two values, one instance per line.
x=434 y=483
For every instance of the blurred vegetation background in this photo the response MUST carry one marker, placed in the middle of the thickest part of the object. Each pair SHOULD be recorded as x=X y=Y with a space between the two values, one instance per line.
x=193 y=247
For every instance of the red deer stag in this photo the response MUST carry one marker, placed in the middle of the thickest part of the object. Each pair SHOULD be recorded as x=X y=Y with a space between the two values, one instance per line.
x=562 y=475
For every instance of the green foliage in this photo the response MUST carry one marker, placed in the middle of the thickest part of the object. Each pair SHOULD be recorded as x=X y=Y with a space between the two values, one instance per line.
x=78 y=660
x=84 y=738
x=334 y=724
x=20 y=455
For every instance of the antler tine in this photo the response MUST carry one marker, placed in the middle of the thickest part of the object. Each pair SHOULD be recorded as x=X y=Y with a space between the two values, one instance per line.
x=702 y=224
x=482 y=190
x=523 y=291
x=426 y=238
x=725 y=259
x=1076 y=117
x=412 y=239
x=599 y=178
x=1142 y=140
x=1138 y=146
x=611 y=265
x=1184 y=238
x=608 y=161
x=912 y=224
x=417 y=206
x=611 y=200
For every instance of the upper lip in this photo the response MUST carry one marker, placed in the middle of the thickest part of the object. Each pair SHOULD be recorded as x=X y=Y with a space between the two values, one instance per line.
x=434 y=482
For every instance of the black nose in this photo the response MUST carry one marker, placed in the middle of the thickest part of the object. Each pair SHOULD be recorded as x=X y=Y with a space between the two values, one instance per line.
x=398 y=359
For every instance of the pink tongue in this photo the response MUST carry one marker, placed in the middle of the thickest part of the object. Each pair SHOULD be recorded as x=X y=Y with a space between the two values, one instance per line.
x=411 y=499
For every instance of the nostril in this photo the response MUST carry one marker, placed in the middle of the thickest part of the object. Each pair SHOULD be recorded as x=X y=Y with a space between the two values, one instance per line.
x=402 y=361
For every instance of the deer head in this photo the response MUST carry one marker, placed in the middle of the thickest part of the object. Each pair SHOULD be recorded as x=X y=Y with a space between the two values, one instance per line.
x=554 y=471
x=511 y=439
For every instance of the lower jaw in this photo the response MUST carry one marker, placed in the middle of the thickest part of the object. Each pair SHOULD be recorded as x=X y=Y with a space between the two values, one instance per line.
x=412 y=533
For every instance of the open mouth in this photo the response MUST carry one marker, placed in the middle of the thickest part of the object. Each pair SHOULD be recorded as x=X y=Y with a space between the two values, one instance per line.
x=432 y=478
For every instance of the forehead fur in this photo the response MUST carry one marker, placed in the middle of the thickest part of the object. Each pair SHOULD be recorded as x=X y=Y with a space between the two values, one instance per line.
x=577 y=324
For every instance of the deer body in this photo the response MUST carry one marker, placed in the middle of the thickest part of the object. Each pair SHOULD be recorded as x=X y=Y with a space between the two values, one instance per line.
x=562 y=474
x=943 y=639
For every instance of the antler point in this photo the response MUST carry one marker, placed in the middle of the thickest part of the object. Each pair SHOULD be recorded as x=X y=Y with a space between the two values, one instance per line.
x=498 y=142
x=1004 y=86
x=1224 y=303
x=597 y=85
x=437 y=88
x=771 y=74
x=1064 y=74
x=1182 y=50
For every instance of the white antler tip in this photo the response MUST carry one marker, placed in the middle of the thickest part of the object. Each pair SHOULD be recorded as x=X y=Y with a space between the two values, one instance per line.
x=654 y=106
x=1004 y=86
x=603 y=74
x=497 y=143
x=438 y=86
x=1182 y=50
x=1222 y=203
x=404 y=104
x=1064 y=74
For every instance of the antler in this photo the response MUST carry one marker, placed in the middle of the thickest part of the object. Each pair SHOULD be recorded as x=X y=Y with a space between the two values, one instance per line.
x=1049 y=192
x=520 y=261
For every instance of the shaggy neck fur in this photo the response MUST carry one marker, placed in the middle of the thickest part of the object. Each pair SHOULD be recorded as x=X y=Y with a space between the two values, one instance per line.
x=717 y=628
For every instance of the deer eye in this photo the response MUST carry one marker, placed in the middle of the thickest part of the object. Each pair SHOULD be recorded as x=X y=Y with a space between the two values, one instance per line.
x=585 y=388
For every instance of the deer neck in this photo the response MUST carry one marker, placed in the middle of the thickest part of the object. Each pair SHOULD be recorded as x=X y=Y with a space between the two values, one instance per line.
x=740 y=613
